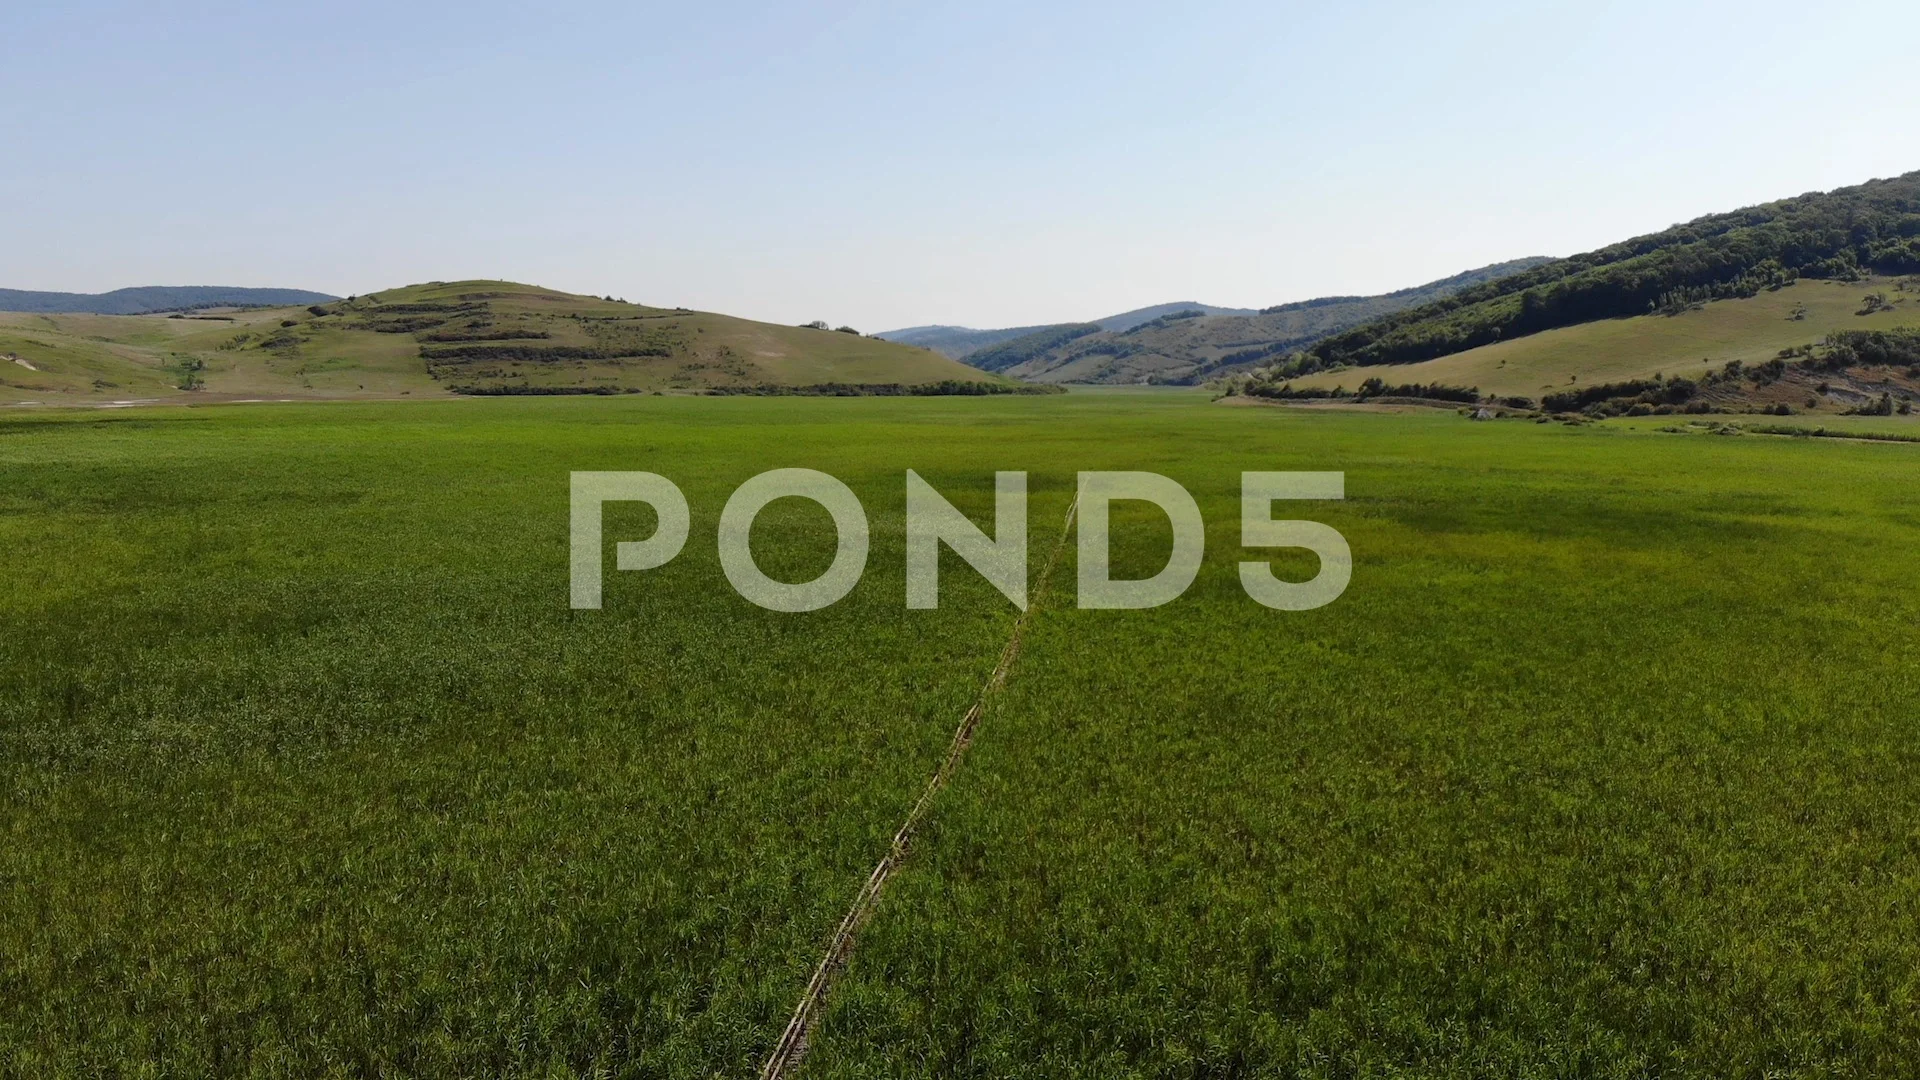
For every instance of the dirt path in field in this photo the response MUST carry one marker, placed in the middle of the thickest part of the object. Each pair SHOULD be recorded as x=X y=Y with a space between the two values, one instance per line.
x=792 y=1047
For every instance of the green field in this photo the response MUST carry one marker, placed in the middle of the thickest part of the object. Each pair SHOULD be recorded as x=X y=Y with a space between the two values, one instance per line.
x=1603 y=766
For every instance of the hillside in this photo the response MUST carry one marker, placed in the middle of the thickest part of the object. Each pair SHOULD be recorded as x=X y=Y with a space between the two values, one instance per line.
x=955 y=342
x=151 y=298
x=1780 y=340
x=1128 y=320
x=470 y=337
x=1188 y=343
x=959 y=342
x=1841 y=235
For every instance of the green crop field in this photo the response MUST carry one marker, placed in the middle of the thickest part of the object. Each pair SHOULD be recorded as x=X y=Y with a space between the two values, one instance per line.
x=1604 y=765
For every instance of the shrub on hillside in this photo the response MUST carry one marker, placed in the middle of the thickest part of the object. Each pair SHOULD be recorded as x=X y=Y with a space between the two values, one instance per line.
x=1286 y=391
x=1429 y=391
x=1874 y=348
x=1650 y=392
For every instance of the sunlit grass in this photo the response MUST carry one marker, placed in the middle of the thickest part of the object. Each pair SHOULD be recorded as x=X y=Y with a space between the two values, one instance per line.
x=1602 y=766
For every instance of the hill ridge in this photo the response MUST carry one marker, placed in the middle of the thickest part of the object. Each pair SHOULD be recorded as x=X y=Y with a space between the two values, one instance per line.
x=1175 y=348
x=957 y=341
x=146 y=299
x=1845 y=234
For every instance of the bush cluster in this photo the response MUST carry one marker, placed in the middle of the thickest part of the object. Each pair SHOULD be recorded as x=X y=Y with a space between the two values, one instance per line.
x=944 y=388
x=1649 y=392
x=1873 y=348
x=1371 y=388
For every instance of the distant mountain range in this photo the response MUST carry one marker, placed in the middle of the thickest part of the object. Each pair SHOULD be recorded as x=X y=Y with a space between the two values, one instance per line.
x=1182 y=342
x=958 y=341
x=150 y=298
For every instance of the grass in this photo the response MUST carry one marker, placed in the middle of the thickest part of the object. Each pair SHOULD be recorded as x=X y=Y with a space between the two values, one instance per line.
x=1752 y=331
x=307 y=761
x=1602 y=766
x=362 y=349
x=1869 y=428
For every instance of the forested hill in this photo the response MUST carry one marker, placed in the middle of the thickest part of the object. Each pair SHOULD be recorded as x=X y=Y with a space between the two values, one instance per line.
x=1843 y=234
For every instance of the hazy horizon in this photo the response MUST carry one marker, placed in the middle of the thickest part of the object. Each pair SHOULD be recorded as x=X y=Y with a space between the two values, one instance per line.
x=1001 y=165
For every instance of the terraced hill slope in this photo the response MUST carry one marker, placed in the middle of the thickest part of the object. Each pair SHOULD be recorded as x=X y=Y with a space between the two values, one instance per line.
x=468 y=337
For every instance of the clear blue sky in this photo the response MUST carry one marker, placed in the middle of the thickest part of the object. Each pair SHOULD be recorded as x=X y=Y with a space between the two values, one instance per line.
x=886 y=165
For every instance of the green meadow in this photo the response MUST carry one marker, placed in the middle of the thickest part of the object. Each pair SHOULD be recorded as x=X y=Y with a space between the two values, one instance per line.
x=1604 y=765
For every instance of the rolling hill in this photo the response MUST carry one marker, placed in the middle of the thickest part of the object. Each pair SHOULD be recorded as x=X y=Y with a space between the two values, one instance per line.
x=955 y=342
x=1190 y=343
x=468 y=337
x=152 y=298
x=1842 y=235
x=1809 y=304
x=1128 y=320
x=960 y=341
x=1750 y=332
